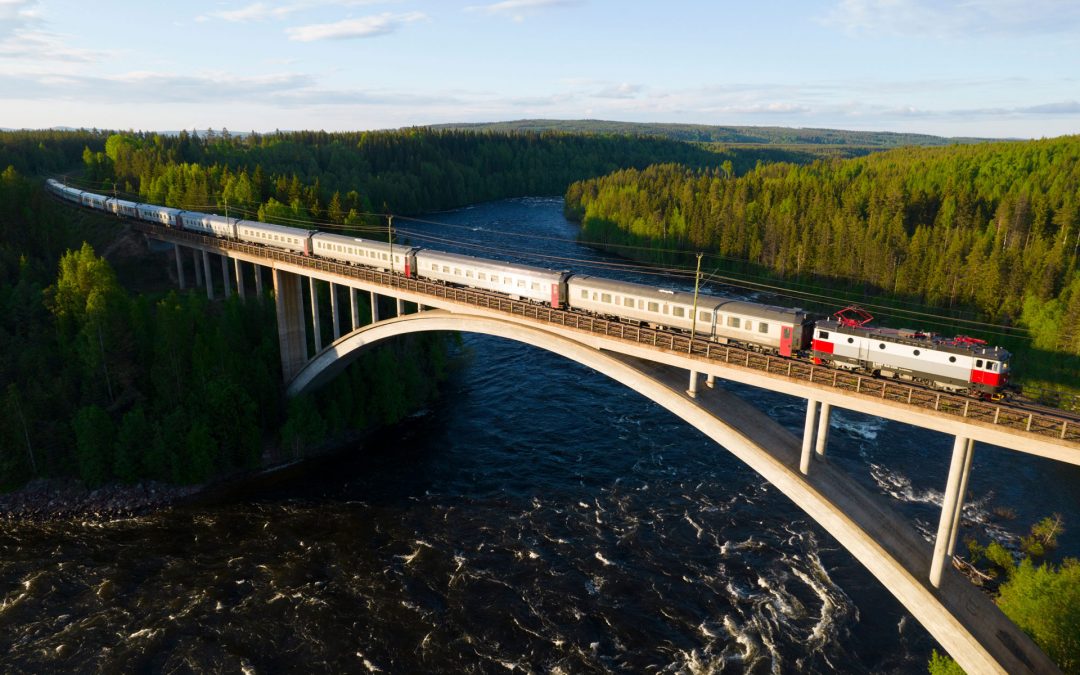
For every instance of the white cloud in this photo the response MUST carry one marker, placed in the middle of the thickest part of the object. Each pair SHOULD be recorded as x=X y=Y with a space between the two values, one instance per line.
x=954 y=19
x=624 y=90
x=16 y=15
x=260 y=11
x=366 y=27
x=518 y=8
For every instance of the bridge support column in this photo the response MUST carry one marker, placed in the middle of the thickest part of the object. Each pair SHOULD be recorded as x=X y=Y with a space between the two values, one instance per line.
x=334 y=311
x=400 y=306
x=258 y=281
x=315 y=325
x=354 y=302
x=179 y=266
x=692 y=389
x=808 y=435
x=197 y=264
x=960 y=499
x=225 y=276
x=822 y=430
x=292 y=333
x=710 y=380
x=949 y=509
x=208 y=276
x=374 y=307
x=239 y=277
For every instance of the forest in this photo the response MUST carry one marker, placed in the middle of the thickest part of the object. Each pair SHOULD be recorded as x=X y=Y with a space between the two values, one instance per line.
x=989 y=231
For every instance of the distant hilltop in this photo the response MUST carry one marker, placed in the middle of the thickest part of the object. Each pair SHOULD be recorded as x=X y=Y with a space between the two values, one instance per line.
x=702 y=133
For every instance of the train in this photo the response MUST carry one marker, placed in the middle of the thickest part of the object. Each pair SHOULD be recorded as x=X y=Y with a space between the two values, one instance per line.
x=845 y=340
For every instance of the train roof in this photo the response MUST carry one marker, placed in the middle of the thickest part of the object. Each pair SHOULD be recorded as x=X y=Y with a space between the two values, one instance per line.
x=915 y=338
x=462 y=259
x=155 y=207
x=271 y=227
x=704 y=301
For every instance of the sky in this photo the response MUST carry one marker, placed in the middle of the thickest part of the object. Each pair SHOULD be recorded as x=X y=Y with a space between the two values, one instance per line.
x=986 y=68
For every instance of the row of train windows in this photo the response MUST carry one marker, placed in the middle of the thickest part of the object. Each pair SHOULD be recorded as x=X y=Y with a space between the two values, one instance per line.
x=274 y=237
x=483 y=276
x=676 y=310
x=355 y=251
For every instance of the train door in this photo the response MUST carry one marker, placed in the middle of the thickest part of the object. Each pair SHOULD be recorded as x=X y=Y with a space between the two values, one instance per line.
x=785 y=341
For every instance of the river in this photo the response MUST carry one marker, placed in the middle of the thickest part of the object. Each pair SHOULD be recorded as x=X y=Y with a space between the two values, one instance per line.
x=541 y=518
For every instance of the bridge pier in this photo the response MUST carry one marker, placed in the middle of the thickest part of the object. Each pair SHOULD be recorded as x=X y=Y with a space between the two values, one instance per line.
x=198 y=269
x=950 y=510
x=710 y=380
x=374 y=308
x=334 y=318
x=258 y=281
x=955 y=530
x=239 y=278
x=822 y=430
x=354 y=302
x=208 y=276
x=225 y=276
x=692 y=390
x=808 y=435
x=179 y=266
x=316 y=326
x=292 y=333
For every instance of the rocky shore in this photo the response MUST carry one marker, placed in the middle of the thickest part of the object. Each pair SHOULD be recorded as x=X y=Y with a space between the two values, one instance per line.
x=45 y=500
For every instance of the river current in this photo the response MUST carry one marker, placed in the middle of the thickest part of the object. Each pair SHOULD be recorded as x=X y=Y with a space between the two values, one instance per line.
x=541 y=518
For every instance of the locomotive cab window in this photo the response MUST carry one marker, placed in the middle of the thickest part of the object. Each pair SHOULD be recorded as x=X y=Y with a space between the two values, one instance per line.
x=991 y=366
x=978 y=363
x=824 y=335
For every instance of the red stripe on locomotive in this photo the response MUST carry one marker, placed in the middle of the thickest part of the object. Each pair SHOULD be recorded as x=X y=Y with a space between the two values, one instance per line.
x=987 y=378
x=822 y=346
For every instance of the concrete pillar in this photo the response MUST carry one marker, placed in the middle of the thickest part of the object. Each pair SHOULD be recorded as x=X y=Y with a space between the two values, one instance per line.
x=197 y=264
x=822 y=430
x=948 y=510
x=960 y=499
x=315 y=325
x=179 y=266
x=292 y=333
x=400 y=306
x=334 y=311
x=258 y=281
x=691 y=391
x=239 y=278
x=354 y=301
x=225 y=275
x=808 y=435
x=207 y=275
x=374 y=307
x=710 y=380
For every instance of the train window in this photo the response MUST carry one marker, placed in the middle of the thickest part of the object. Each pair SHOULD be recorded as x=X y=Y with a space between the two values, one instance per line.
x=384 y=256
x=992 y=366
x=482 y=276
x=917 y=352
x=457 y=271
x=881 y=346
x=521 y=283
x=468 y=274
x=584 y=294
x=952 y=359
x=704 y=316
x=978 y=363
x=678 y=311
x=629 y=302
x=605 y=297
x=654 y=307
x=446 y=269
x=733 y=321
x=535 y=286
x=763 y=327
x=824 y=334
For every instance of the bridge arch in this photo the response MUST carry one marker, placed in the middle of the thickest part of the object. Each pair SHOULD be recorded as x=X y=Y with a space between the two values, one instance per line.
x=962 y=619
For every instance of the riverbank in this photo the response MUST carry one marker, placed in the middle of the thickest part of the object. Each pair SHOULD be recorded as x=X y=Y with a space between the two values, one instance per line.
x=62 y=499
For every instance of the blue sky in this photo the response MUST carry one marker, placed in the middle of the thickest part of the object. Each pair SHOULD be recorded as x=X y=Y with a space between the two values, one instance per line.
x=997 y=68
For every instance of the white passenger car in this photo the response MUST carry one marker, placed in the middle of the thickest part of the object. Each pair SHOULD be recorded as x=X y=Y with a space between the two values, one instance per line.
x=294 y=239
x=163 y=215
x=367 y=252
x=517 y=281
x=207 y=223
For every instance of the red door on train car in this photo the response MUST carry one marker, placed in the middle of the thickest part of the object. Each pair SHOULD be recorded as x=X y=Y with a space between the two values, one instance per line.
x=785 y=341
x=555 y=296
